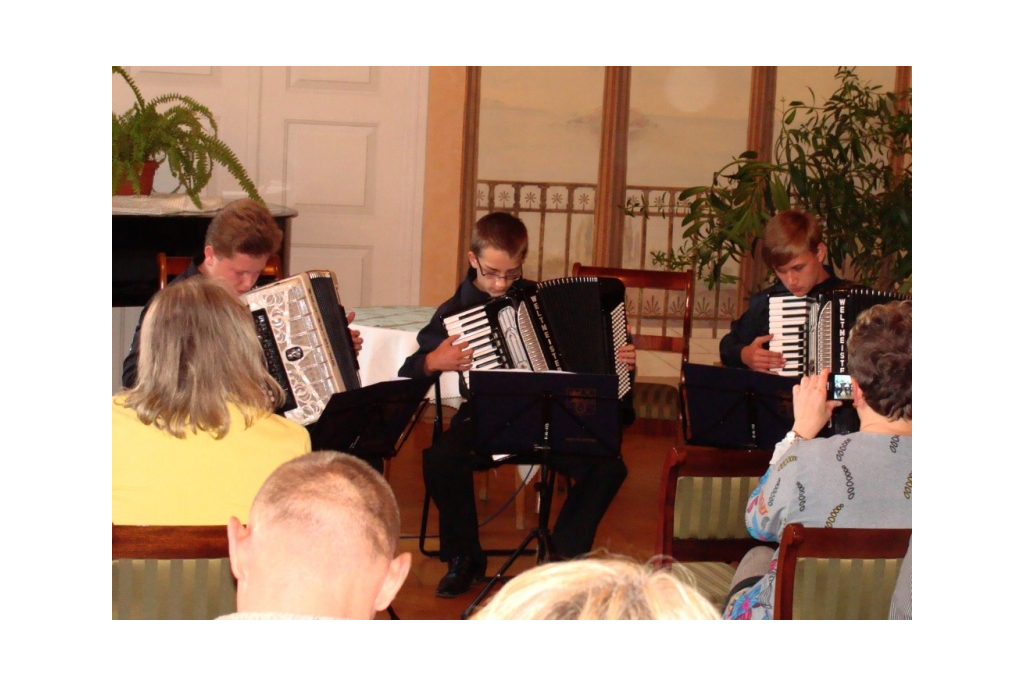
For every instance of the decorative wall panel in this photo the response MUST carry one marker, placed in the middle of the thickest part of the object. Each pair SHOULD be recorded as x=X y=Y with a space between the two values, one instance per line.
x=342 y=178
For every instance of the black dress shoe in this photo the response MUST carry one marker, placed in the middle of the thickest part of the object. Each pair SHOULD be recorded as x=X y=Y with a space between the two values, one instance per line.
x=463 y=571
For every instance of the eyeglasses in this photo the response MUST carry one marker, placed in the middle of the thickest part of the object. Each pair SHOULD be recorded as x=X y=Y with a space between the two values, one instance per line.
x=494 y=275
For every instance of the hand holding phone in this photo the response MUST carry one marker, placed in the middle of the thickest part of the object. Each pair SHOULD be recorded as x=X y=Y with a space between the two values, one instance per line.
x=840 y=387
x=812 y=404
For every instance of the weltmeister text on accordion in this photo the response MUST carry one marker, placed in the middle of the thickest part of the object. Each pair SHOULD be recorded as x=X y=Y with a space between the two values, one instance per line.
x=811 y=333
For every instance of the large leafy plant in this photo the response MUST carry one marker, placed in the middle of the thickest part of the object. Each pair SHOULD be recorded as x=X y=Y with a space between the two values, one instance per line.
x=847 y=160
x=177 y=129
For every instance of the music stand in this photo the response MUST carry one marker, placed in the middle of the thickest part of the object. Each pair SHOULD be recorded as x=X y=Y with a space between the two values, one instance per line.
x=372 y=422
x=736 y=408
x=532 y=415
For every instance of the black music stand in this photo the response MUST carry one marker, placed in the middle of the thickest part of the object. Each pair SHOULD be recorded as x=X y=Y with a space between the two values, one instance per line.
x=532 y=415
x=425 y=514
x=736 y=408
x=372 y=422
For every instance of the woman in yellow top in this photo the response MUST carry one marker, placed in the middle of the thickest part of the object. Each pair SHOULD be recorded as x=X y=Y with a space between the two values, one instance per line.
x=197 y=436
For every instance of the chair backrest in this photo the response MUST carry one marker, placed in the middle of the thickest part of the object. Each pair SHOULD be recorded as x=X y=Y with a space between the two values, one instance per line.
x=704 y=494
x=169 y=267
x=838 y=573
x=171 y=572
x=662 y=320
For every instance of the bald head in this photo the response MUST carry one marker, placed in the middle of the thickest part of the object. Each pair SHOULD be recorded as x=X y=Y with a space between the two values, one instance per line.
x=321 y=540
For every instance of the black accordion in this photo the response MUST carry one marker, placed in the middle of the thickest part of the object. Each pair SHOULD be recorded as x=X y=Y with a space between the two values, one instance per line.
x=574 y=324
x=812 y=332
x=306 y=342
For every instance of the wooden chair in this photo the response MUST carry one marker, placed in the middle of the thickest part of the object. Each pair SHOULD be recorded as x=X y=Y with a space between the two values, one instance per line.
x=659 y=306
x=838 y=573
x=704 y=494
x=171 y=572
x=169 y=267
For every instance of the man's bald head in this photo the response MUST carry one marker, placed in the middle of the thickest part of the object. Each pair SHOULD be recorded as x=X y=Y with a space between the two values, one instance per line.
x=306 y=491
x=322 y=536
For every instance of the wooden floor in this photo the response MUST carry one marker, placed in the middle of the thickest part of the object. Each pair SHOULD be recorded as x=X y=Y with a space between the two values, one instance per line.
x=628 y=528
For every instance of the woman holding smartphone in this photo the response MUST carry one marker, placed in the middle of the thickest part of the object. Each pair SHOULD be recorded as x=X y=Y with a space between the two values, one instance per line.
x=857 y=480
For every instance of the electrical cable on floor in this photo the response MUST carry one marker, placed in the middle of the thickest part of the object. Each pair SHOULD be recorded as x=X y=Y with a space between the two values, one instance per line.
x=511 y=499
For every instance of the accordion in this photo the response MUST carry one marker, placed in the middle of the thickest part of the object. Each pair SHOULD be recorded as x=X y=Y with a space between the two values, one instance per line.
x=574 y=324
x=306 y=343
x=812 y=332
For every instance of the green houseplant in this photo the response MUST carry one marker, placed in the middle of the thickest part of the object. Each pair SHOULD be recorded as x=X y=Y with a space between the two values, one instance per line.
x=847 y=160
x=177 y=129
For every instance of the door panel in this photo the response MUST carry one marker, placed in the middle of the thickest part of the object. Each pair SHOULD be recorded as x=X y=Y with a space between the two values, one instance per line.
x=345 y=147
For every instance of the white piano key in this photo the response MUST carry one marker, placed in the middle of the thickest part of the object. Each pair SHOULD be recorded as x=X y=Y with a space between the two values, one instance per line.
x=462 y=327
x=474 y=337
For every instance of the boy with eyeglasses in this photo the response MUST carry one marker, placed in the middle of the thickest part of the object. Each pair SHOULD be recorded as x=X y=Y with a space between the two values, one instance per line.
x=496 y=257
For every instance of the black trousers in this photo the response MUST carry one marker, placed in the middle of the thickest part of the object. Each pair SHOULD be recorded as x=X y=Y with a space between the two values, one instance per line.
x=448 y=467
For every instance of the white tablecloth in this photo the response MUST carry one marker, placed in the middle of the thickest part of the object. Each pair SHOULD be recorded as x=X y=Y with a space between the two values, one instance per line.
x=388 y=343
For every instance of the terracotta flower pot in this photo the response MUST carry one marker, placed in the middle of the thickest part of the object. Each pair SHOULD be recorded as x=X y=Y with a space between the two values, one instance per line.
x=145 y=180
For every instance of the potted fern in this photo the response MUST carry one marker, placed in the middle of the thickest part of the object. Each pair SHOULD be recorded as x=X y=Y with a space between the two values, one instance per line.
x=172 y=128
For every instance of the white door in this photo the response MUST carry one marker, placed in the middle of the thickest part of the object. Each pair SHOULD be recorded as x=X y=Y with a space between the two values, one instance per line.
x=345 y=146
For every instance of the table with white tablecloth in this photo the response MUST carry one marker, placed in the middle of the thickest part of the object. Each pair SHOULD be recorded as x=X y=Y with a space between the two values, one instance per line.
x=389 y=337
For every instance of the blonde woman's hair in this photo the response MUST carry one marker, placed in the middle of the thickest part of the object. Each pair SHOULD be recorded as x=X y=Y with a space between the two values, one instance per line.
x=599 y=589
x=198 y=352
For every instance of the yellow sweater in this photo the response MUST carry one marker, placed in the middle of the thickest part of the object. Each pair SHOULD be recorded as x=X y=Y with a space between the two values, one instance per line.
x=162 y=480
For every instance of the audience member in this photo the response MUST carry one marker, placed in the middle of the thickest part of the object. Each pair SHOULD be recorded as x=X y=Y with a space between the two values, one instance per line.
x=858 y=480
x=195 y=438
x=320 y=543
x=598 y=589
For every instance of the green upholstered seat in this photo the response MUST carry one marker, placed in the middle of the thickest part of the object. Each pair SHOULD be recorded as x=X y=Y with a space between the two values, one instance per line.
x=838 y=573
x=704 y=493
x=171 y=572
x=656 y=401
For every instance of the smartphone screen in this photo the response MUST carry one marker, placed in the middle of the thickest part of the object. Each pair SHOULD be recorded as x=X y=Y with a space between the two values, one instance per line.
x=840 y=387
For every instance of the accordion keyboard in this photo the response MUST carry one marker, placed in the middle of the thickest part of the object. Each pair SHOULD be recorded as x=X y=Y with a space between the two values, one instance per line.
x=787 y=322
x=473 y=327
x=620 y=336
x=812 y=332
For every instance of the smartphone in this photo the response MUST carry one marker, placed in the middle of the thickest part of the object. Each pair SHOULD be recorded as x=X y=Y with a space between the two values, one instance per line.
x=840 y=387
